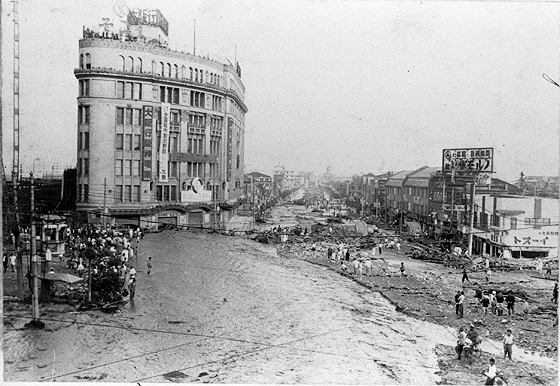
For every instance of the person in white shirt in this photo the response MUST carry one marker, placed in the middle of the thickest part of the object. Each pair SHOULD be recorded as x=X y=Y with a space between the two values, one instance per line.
x=13 y=261
x=508 y=344
x=491 y=373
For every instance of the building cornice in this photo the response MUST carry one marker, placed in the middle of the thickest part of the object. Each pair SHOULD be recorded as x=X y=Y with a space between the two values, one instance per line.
x=148 y=76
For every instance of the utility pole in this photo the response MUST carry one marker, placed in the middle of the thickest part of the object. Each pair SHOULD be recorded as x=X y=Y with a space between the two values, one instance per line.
x=473 y=189
x=105 y=203
x=35 y=322
x=253 y=197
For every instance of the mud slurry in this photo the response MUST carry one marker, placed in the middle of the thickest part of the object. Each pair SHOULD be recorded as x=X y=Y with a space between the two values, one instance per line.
x=223 y=309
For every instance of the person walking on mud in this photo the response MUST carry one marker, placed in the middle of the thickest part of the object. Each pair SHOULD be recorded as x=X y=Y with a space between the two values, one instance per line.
x=132 y=287
x=465 y=276
x=403 y=272
x=461 y=304
x=500 y=303
x=457 y=295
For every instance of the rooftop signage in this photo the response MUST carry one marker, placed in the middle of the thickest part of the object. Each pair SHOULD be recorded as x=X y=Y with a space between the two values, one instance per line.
x=468 y=160
x=152 y=17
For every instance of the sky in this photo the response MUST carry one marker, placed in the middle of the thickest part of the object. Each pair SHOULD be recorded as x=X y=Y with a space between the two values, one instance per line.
x=360 y=86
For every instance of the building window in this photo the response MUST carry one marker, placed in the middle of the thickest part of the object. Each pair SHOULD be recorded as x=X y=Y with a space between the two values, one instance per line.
x=120 y=90
x=88 y=62
x=119 y=167
x=79 y=141
x=128 y=142
x=129 y=64
x=122 y=64
x=196 y=75
x=136 y=168
x=127 y=167
x=86 y=193
x=174 y=143
x=159 y=193
x=128 y=117
x=513 y=223
x=166 y=193
x=86 y=141
x=173 y=170
x=120 y=140
x=120 y=116
x=81 y=61
x=128 y=90
x=137 y=117
x=84 y=88
x=173 y=193
x=136 y=193
x=119 y=193
x=86 y=166
x=175 y=71
x=168 y=70
x=139 y=65
x=161 y=69
x=83 y=114
x=137 y=91
x=136 y=144
x=183 y=72
x=128 y=193
x=79 y=194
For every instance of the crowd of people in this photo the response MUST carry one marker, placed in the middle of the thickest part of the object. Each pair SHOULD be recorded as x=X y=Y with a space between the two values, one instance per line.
x=113 y=253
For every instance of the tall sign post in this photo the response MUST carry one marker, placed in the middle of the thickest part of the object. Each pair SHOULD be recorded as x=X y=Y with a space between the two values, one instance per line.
x=465 y=165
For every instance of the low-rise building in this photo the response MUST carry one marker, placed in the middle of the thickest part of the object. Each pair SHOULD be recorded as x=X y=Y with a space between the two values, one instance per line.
x=515 y=226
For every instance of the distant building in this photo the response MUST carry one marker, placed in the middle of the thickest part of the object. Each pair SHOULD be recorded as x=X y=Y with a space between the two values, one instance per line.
x=516 y=226
x=161 y=133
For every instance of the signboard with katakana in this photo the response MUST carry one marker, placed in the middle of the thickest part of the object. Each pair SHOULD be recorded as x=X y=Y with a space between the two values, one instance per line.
x=468 y=160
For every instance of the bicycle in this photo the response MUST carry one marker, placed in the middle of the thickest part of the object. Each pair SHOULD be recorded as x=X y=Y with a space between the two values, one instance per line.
x=472 y=351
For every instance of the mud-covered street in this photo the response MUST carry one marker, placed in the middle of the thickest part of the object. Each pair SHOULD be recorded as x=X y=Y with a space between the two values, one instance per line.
x=226 y=309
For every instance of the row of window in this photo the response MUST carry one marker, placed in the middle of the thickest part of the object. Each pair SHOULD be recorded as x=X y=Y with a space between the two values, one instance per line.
x=127 y=193
x=83 y=141
x=83 y=193
x=128 y=142
x=85 y=61
x=128 y=116
x=129 y=90
x=83 y=115
x=83 y=166
x=84 y=87
x=130 y=64
x=169 y=95
x=128 y=168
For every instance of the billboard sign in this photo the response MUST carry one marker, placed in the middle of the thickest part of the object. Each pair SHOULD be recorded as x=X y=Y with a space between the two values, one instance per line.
x=468 y=160
x=151 y=17
x=164 y=143
x=148 y=114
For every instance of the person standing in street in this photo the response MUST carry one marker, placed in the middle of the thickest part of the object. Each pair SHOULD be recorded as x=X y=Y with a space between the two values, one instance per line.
x=403 y=272
x=5 y=262
x=13 y=261
x=461 y=302
x=132 y=287
x=510 y=301
x=508 y=344
x=500 y=303
x=493 y=303
x=485 y=304
x=548 y=270
x=457 y=295
x=555 y=293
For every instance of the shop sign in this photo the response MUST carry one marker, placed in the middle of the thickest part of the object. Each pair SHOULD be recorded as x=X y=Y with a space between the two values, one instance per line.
x=164 y=143
x=468 y=160
x=148 y=114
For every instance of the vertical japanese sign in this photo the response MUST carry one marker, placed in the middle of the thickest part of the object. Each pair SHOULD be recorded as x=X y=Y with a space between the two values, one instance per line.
x=148 y=115
x=164 y=142
x=229 y=147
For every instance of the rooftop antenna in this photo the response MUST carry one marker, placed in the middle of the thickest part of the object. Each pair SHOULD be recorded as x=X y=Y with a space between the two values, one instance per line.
x=194 y=38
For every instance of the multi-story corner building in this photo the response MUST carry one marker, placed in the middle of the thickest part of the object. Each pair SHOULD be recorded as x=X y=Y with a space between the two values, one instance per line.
x=515 y=226
x=160 y=132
